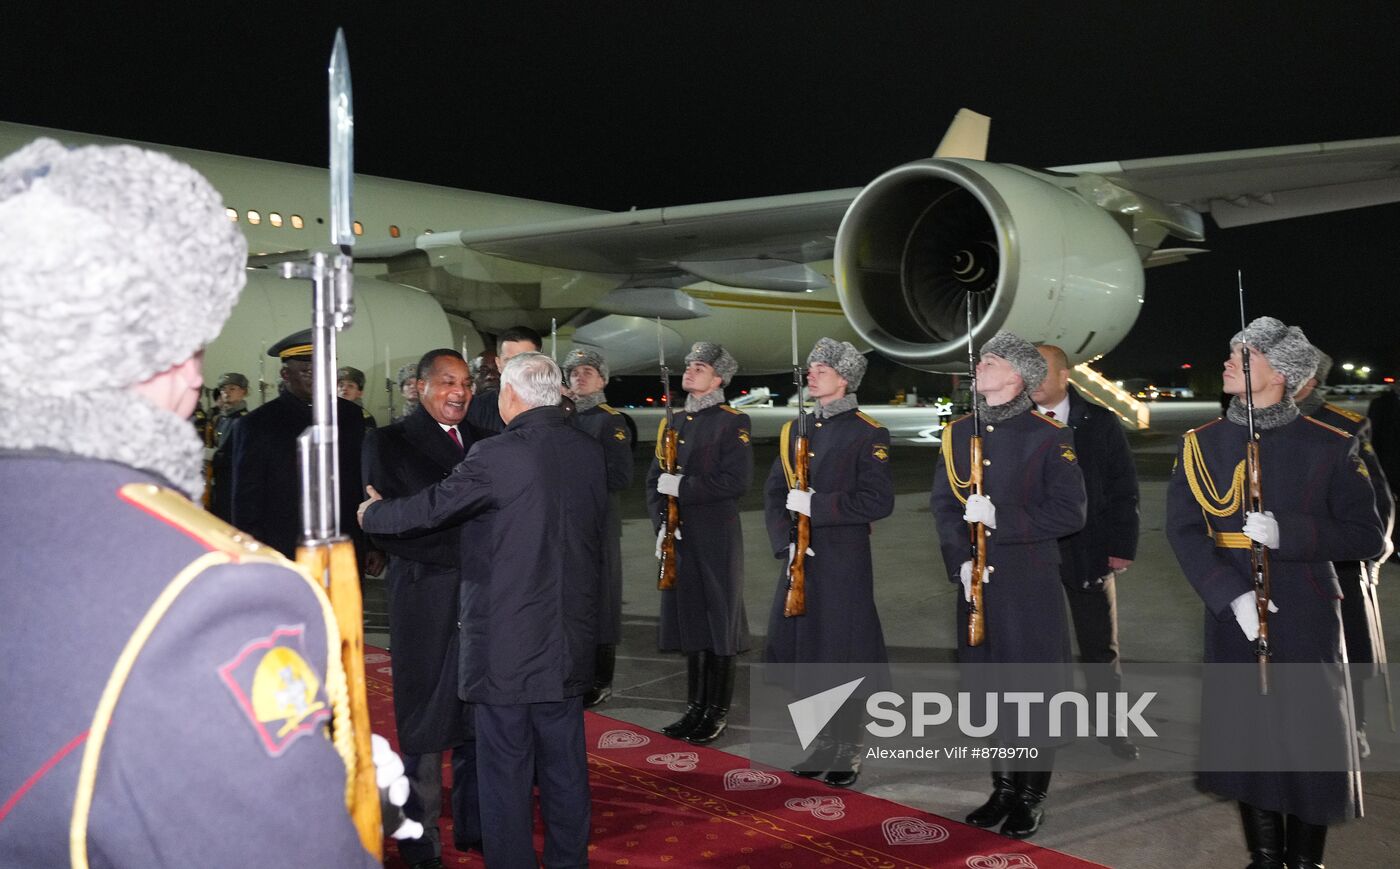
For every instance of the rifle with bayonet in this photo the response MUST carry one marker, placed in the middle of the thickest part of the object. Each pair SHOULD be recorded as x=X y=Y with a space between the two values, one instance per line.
x=976 y=606
x=326 y=553
x=800 y=537
x=1254 y=503
x=666 y=454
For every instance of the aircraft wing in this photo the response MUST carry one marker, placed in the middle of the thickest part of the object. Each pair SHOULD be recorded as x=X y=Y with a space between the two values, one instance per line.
x=1238 y=188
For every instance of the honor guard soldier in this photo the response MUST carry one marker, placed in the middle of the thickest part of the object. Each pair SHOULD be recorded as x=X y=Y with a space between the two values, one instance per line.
x=423 y=580
x=168 y=680
x=233 y=405
x=588 y=376
x=1320 y=509
x=1033 y=494
x=703 y=614
x=1091 y=559
x=1361 y=611
x=849 y=487
x=350 y=385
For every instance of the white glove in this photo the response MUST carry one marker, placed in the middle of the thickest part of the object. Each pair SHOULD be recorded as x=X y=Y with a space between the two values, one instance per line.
x=1247 y=614
x=799 y=501
x=980 y=509
x=669 y=484
x=1262 y=528
x=792 y=551
x=661 y=536
x=393 y=787
x=965 y=574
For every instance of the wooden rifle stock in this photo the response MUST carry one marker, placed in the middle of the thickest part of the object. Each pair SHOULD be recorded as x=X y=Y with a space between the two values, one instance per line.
x=796 y=602
x=667 y=577
x=976 y=611
x=1258 y=566
x=333 y=564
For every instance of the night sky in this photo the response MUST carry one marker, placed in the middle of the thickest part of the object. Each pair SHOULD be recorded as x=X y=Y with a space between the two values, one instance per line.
x=611 y=105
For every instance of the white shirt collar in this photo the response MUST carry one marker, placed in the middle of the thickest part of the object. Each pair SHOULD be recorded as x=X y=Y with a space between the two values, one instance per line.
x=1061 y=410
x=444 y=426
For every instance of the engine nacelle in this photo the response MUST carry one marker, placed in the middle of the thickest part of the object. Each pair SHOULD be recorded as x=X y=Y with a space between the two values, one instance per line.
x=924 y=239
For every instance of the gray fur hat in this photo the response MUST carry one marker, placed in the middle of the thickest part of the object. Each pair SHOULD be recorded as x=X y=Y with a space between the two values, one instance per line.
x=715 y=356
x=407 y=372
x=1324 y=368
x=1286 y=348
x=586 y=356
x=119 y=260
x=1021 y=354
x=843 y=356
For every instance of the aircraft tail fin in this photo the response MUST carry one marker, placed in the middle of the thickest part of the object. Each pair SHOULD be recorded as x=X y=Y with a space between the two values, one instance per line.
x=966 y=136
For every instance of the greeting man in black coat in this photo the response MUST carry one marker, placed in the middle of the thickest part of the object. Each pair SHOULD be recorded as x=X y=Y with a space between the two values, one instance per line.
x=400 y=460
x=1091 y=559
x=534 y=503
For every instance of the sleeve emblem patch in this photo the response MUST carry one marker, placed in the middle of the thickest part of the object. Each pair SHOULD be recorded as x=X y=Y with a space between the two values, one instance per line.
x=619 y=435
x=881 y=452
x=276 y=689
x=744 y=435
x=1067 y=453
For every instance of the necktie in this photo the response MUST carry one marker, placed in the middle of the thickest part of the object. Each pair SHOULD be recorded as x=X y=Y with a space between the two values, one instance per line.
x=456 y=438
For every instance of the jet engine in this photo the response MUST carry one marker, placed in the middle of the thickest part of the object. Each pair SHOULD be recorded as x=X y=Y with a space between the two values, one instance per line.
x=925 y=240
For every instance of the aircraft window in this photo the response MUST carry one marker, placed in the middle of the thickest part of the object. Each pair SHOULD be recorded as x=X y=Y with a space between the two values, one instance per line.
x=297 y=222
x=393 y=231
x=253 y=217
x=274 y=218
x=427 y=232
x=232 y=214
x=359 y=228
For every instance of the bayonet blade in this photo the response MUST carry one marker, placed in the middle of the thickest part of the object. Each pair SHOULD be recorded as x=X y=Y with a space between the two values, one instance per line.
x=342 y=112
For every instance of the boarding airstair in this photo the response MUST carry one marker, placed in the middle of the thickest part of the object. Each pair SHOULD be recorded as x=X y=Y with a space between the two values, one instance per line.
x=1095 y=387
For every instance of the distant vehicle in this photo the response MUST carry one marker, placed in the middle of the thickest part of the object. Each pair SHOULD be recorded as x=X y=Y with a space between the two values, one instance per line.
x=760 y=397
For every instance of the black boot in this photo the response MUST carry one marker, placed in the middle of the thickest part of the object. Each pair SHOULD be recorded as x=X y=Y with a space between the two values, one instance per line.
x=1263 y=836
x=998 y=805
x=850 y=746
x=719 y=691
x=696 y=663
x=819 y=761
x=1305 y=844
x=1027 y=809
x=604 y=661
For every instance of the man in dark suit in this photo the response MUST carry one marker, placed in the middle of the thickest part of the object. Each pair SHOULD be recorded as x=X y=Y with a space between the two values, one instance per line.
x=483 y=412
x=1091 y=559
x=400 y=460
x=534 y=503
x=266 y=485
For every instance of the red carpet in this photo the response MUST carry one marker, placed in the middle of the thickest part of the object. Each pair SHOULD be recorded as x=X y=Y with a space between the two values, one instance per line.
x=660 y=802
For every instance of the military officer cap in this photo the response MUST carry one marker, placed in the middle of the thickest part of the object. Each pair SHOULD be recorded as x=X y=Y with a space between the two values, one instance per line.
x=1021 y=354
x=586 y=356
x=1324 y=368
x=120 y=260
x=715 y=356
x=295 y=346
x=1286 y=348
x=843 y=356
x=232 y=378
x=354 y=375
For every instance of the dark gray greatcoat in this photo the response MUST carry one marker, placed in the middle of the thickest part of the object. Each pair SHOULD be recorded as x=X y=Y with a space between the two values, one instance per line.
x=705 y=610
x=1032 y=476
x=266 y=485
x=609 y=427
x=225 y=686
x=400 y=460
x=852 y=485
x=1315 y=485
x=533 y=503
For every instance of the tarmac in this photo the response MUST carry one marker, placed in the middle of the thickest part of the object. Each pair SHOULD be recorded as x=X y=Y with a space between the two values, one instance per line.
x=1121 y=816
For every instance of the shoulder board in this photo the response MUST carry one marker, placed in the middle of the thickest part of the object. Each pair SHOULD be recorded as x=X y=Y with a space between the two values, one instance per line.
x=610 y=410
x=870 y=419
x=178 y=511
x=1043 y=418
x=1344 y=413
x=731 y=410
x=1331 y=428
x=1207 y=425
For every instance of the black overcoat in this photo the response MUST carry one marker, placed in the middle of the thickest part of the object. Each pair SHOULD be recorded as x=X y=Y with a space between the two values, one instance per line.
x=1317 y=487
x=609 y=427
x=1110 y=484
x=266 y=484
x=1032 y=476
x=705 y=609
x=215 y=732
x=853 y=488
x=423 y=584
x=533 y=503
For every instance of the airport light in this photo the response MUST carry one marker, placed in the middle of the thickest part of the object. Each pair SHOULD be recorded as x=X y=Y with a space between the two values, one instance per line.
x=1347 y=366
x=1365 y=369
